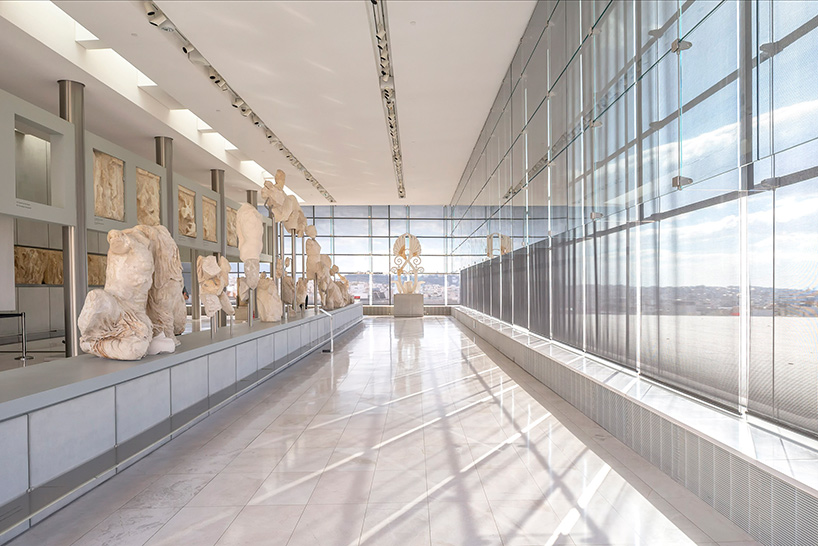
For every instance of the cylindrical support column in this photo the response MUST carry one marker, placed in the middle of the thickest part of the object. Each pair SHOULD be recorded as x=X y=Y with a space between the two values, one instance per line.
x=292 y=249
x=315 y=292
x=75 y=238
x=164 y=158
x=195 y=302
x=252 y=198
x=281 y=231
x=304 y=257
x=217 y=185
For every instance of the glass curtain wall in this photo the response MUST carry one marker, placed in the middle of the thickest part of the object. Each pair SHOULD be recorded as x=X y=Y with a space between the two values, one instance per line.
x=655 y=164
x=359 y=240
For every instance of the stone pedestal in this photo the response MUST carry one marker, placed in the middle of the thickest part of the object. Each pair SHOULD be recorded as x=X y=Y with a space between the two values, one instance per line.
x=408 y=305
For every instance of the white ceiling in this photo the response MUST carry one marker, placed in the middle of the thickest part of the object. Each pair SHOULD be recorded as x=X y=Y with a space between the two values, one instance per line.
x=308 y=70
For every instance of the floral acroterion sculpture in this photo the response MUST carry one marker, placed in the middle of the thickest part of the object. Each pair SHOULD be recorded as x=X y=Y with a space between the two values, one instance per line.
x=407 y=263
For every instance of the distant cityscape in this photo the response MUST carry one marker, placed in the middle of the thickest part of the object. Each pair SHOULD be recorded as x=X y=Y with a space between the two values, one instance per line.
x=434 y=289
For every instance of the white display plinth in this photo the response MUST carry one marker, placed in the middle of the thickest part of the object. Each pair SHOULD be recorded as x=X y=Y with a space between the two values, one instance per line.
x=408 y=305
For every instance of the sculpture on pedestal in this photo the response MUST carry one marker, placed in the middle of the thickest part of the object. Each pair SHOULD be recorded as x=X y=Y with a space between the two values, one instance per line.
x=301 y=293
x=269 y=304
x=213 y=278
x=287 y=285
x=141 y=308
x=166 y=305
x=250 y=228
x=275 y=199
x=407 y=253
x=113 y=322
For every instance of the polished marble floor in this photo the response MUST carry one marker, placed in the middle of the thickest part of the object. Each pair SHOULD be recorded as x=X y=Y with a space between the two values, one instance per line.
x=411 y=433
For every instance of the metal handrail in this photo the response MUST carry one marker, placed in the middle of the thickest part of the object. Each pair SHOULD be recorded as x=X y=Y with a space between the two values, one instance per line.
x=331 y=332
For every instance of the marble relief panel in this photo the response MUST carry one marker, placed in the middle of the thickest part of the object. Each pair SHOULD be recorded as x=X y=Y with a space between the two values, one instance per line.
x=187 y=212
x=209 y=224
x=148 y=190
x=96 y=269
x=109 y=186
x=53 y=266
x=232 y=234
x=37 y=266
x=29 y=267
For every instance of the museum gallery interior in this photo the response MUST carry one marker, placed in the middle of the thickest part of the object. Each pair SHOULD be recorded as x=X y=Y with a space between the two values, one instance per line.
x=393 y=272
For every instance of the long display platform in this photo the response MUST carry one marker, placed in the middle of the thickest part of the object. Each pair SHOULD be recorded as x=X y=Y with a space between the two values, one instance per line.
x=68 y=425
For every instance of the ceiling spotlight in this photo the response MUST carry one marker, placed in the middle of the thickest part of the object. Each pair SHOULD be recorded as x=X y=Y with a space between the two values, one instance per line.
x=256 y=120
x=196 y=58
x=222 y=85
x=214 y=76
x=237 y=101
x=269 y=134
x=156 y=18
x=150 y=9
x=245 y=110
x=188 y=47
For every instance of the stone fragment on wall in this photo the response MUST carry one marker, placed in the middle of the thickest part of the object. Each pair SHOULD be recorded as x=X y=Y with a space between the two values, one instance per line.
x=209 y=224
x=232 y=231
x=187 y=212
x=109 y=186
x=53 y=266
x=148 y=198
x=96 y=269
x=29 y=267
x=37 y=266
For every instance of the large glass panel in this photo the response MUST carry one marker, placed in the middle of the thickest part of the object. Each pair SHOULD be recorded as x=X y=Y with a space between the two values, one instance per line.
x=351 y=245
x=352 y=264
x=350 y=227
x=433 y=289
x=351 y=211
x=380 y=290
x=359 y=287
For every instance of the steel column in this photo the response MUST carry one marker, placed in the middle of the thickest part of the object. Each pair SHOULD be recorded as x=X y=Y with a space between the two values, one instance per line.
x=75 y=238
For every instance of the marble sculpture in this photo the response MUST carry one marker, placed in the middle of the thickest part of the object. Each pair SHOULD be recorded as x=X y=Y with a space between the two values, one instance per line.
x=287 y=285
x=301 y=286
x=269 y=304
x=141 y=307
x=213 y=279
x=250 y=229
x=275 y=199
x=407 y=253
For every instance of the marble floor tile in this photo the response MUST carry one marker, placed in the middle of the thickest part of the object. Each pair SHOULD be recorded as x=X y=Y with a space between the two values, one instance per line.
x=128 y=527
x=199 y=525
x=267 y=525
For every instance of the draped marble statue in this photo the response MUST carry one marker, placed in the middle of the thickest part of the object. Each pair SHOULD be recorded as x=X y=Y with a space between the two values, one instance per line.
x=269 y=304
x=250 y=228
x=213 y=279
x=141 y=307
